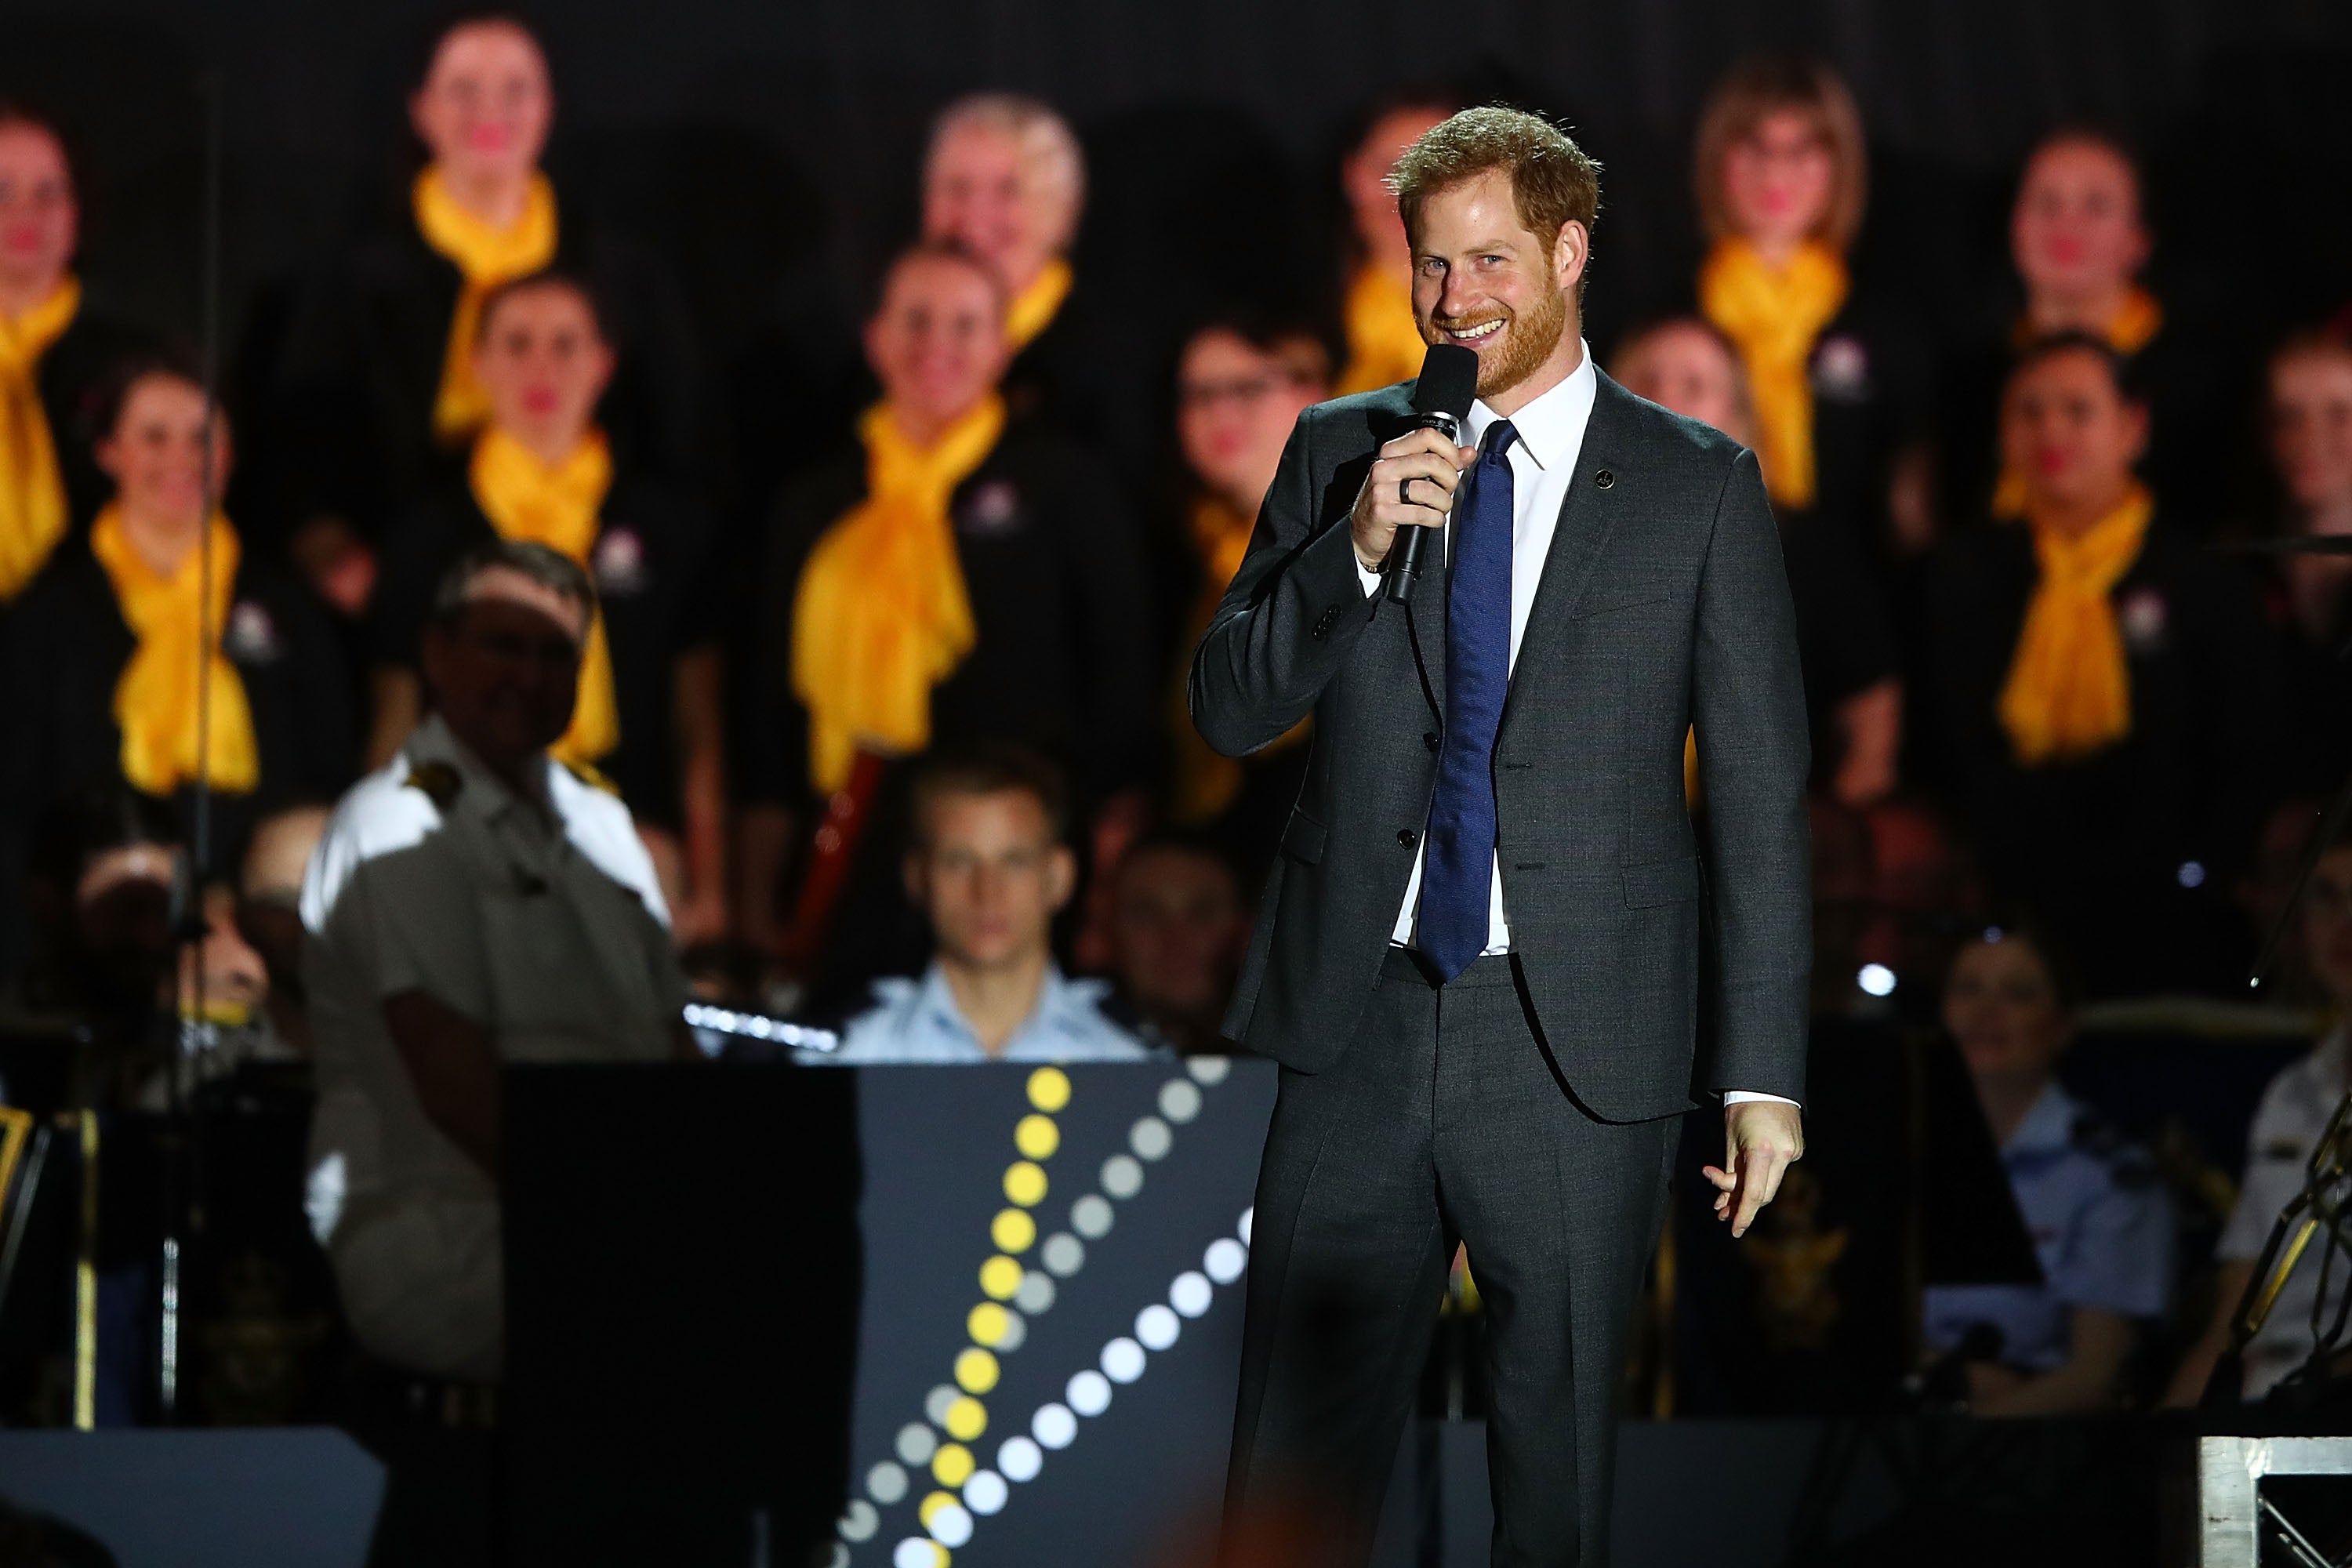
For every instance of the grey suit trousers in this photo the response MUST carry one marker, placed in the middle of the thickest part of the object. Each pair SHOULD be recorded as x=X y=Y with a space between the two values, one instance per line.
x=1446 y=1120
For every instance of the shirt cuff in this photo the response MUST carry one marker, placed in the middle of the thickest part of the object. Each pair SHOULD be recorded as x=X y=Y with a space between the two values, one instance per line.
x=1732 y=1097
x=1369 y=578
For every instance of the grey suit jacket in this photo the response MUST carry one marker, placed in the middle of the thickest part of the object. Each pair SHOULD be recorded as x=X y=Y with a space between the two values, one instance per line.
x=1662 y=605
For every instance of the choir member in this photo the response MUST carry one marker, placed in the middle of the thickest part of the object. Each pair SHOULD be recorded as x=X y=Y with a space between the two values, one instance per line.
x=542 y=471
x=1384 y=344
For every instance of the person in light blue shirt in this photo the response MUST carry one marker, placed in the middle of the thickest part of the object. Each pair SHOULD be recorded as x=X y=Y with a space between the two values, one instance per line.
x=2101 y=1226
x=988 y=866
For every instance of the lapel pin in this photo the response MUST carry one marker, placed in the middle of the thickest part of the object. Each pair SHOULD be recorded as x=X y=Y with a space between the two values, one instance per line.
x=1604 y=479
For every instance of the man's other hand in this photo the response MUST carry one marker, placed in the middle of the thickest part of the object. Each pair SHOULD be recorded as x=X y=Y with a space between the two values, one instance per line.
x=1762 y=1138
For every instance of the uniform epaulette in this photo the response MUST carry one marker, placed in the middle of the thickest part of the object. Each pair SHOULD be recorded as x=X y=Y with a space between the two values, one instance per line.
x=441 y=783
x=591 y=777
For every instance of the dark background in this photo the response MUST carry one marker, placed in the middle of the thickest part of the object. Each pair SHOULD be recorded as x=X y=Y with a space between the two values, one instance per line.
x=772 y=148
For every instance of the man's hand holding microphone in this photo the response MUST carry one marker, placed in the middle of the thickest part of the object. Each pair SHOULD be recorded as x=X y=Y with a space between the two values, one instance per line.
x=1412 y=480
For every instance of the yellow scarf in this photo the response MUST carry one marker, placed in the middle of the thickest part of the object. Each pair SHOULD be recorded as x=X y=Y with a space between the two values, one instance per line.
x=2131 y=329
x=2069 y=688
x=487 y=257
x=32 y=489
x=560 y=508
x=882 y=615
x=155 y=699
x=1384 y=344
x=1033 y=310
x=1775 y=318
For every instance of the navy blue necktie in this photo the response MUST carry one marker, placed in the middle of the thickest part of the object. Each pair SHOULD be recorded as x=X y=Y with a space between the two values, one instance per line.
x=1458 y=875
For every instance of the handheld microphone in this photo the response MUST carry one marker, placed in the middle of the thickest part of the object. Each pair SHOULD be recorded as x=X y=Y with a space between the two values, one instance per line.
x=1440 y=401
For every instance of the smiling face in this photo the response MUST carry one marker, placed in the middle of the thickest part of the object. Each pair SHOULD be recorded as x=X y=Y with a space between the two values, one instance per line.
x=988 y=874
x=1779 y=181
x=543 y=364
x=2075 y=232
x=2311 y=426
x=39 y=220
x=2001 y=1005
x=155 y=454
x=937 y=343
x=2068 y=429
x=1482 y=279
x=986 y=190
x=1235 y=405
x=486 y=104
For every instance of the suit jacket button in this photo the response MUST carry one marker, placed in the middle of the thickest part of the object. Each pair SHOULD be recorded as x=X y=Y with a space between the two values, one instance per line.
x=1408 y=838
x=1429 y=740
x=1604 y=479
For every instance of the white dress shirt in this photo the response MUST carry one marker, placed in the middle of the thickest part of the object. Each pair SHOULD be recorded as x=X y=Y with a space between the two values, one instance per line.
x=1543 y=465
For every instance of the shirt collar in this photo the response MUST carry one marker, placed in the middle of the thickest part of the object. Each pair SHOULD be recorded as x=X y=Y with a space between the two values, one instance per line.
x=935 y=1000
x=1552 y=427
x=483 y=791
x=2048 y=1127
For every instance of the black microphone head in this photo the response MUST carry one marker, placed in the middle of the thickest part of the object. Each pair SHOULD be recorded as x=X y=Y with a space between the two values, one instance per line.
x=1449 y=381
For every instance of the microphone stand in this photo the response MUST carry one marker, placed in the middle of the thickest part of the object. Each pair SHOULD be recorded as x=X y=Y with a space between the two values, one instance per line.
x=193 y=1033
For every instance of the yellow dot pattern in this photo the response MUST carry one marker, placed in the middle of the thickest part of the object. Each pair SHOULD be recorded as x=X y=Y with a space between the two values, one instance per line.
x=952 y=1466
x=975 y=1371
x=1000 y=1277
x=1013 y=1230
x=1049 y=1089
x=1037 y=1137
x=967 y=1419
x=1024 y=1184
x=931 y=1505
x=987 y=1324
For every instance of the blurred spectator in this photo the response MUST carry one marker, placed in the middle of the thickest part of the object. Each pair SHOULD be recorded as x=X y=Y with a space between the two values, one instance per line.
x=1240 y=385
x=2096 y=1213
x=473 y=903
x=2294 y=1111
x=989 y=865
x=1179 y=925
x=2310 y=453
x=1835 y=378
x=107 y=648
x=2108 y=697
x=378 y=391
x=969 y=576
x=1385 y=342
x=2079 y=240
x=269 y=913
x=649 y=708
x=1842 y=637
x=55 y=349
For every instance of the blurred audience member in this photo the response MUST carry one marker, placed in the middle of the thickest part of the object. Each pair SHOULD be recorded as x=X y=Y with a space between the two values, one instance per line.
x=2096 y=1213
x=969 y=576
x=1781 y=177
x=473 y=903
x=269 y=913
x=989 y=865
x=1842 y=637
x=121 y=668
x=649 y=708
x=1179 y=924
x=1240 y=385
x=2294 y=1111
x=2107 y=695
x=2311 y=452
x=54 y=351
x=378 y=388
x=1384 y=341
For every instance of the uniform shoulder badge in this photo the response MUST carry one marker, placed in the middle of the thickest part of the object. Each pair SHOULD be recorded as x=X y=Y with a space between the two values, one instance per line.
x=591 y=776
x=441 y=783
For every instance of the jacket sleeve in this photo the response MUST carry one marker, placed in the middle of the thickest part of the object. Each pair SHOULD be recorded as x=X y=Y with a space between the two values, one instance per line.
x=1748 y=705
x=1286 y=623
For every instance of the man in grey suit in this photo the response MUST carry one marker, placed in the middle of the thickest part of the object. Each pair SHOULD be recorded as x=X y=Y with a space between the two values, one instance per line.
x=1478 y=955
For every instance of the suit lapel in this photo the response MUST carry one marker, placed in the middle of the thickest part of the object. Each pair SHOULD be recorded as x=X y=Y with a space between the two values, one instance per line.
x=1587 y=519
x=1426 y=625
